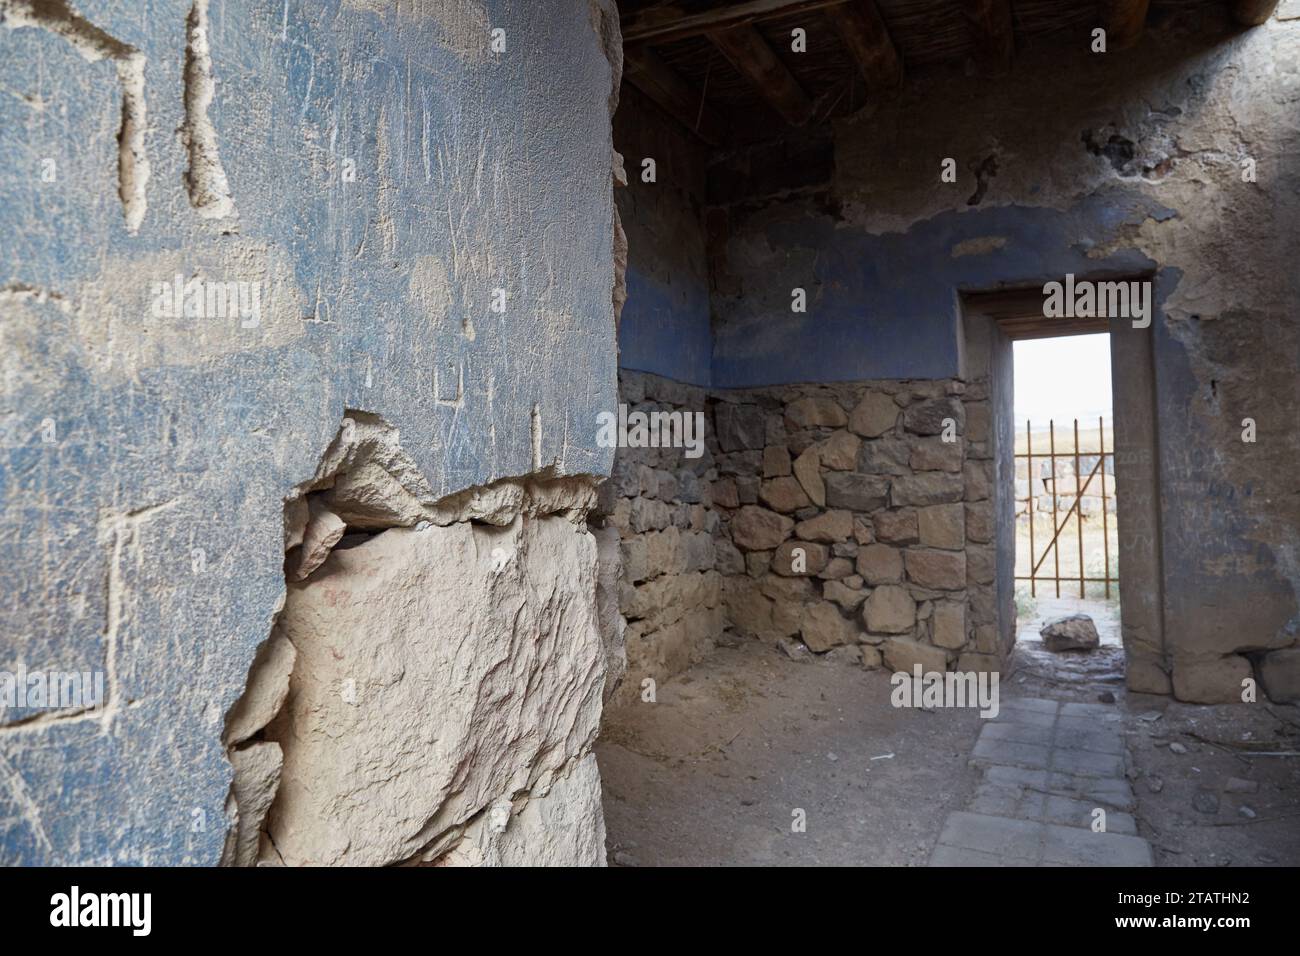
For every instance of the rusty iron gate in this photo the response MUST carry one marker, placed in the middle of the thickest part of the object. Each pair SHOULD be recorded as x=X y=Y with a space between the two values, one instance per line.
x=1096 y=482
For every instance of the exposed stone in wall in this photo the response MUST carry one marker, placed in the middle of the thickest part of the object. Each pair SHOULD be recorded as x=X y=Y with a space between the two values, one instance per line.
x=659 y=502
x=1279 y=673
x=559 y=824
x=866 y=548
x=833 y=515
x=439 y=671
x=609 y=581
x=437 y=663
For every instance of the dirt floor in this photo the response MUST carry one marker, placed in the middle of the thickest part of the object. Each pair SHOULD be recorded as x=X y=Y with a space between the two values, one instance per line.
x=713 y=772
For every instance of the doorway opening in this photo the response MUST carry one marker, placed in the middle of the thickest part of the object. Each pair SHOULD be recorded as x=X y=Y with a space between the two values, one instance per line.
x=1066 y=505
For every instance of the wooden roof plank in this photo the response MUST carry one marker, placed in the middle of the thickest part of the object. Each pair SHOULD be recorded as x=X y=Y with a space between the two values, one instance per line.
x=661 y=83
x=862 y=29
x=664 y=24
x=749 y=53
x=1123 y=21
x=991 y=32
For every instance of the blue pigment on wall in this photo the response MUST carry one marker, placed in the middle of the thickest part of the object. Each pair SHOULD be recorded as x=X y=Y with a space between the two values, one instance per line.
x=665 y=330
x=887 y=306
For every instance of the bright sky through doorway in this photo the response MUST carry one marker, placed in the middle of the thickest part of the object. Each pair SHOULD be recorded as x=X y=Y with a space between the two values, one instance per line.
x=1063 y=378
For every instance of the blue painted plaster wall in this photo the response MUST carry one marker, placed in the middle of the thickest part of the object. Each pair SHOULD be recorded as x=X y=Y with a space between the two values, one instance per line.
x=886 y=305
x=665 y=322
x=665 y=328
x=474 y=171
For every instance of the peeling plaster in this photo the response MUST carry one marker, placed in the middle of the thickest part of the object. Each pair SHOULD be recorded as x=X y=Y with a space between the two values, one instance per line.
x=471 y=168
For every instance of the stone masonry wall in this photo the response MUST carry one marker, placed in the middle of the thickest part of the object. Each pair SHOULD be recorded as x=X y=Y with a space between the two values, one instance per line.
x=661 y=504
x=850 y=523
x=836 y=516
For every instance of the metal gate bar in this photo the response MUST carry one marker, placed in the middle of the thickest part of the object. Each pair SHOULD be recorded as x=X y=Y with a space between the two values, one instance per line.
x=1059 y=524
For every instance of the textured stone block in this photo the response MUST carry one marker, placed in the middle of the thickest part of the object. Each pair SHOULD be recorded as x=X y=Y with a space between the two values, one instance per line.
x=740 y=427
x=776 y=461
x=757 y=529
x=800 y=558
x=941 y=570
x=1210 y=680
x=807 y=469
x=840 y=451
x=897 y=526
x=980 y=522
x=397 y=642
x=935 y=454
x=927 y=488
x=875 y=415
x=889 y=610
x=830 y=526
x=929 y=417
x=1279 y=673
x=825 y=627
x=885 y=456
x=880 y=564
x=841 y=593
x=783 y=494
x=949 y=624
x=903 y=654
x=855 y=491
x=942 y=526
x=814 y=412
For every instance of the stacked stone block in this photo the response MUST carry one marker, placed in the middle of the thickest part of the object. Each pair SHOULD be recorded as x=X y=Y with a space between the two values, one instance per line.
x=860 y=517
x=856 y=519
x=660 y=502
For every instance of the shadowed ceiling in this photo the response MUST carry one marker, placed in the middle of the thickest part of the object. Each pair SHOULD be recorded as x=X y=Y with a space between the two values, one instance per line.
x=726 y=70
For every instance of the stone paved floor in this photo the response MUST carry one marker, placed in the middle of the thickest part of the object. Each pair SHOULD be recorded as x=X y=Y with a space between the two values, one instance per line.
x=1047 y=767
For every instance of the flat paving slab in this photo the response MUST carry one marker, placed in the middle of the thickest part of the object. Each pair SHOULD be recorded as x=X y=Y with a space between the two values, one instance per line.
x=1053 y=792
x=978 y=839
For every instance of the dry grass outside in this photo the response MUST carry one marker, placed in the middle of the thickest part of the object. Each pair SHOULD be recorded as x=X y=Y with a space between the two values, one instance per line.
x=1067 y=548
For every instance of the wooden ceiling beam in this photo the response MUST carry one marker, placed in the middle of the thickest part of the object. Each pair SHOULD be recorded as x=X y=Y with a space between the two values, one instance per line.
x=1251 y=13
x=862 y=29
x=1038 y=327
x=749 y=53
x=665 y=24
x=991 y=32
x=1123 y=21
x=665 y=86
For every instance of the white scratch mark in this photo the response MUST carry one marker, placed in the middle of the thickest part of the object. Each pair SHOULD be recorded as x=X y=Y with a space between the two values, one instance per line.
x=31 y=811
x=459 y=400
x=537 y=436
